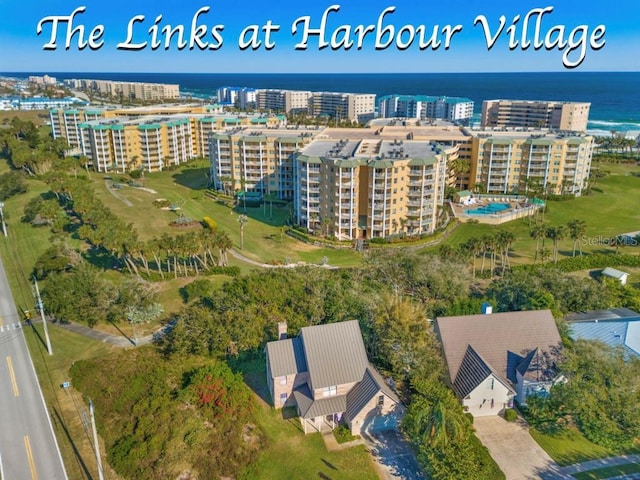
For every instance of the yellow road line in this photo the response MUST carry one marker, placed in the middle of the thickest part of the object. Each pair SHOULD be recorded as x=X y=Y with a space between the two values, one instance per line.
x=1 y=321
x=14 y=384
x=32 y=463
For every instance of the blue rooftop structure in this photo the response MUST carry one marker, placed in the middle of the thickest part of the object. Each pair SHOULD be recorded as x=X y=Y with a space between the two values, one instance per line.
x=618 y=327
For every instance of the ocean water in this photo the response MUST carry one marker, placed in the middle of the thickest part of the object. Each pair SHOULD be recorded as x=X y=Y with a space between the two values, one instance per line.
x=614 y=96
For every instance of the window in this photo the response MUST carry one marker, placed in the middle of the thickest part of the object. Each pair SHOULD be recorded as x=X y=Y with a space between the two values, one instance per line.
x=381 y=400
x=330 y=391
x=283 y=398
x=283 y=380
x=491 y=382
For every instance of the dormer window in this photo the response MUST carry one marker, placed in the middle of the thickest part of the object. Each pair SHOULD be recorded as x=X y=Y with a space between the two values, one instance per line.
x=330 y=391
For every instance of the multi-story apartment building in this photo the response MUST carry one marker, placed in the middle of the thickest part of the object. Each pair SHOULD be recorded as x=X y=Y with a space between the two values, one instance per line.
x=356 y=107
x=67 y=123
x=369 y=188
x=285 y=101
x=256 y=159
x=131 y=90
x=566 y=116
x=506 y=162
x=422 y=107
x=241 y=97
x=153 y=142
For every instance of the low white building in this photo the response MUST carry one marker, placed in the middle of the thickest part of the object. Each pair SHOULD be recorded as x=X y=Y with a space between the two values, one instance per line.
x=618 y=275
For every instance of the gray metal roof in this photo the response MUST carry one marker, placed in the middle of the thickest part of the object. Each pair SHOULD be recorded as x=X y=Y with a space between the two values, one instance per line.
x=334 y=353
x=286 y=357
x=472 y=372
x=323 y=406
x=608 y=314
x=502 y=340
x=617 y=332
x=612 y=272
x=369 y=387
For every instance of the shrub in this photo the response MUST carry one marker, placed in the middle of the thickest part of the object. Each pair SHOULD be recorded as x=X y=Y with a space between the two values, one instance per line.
x=510 y=415
x=210 y=223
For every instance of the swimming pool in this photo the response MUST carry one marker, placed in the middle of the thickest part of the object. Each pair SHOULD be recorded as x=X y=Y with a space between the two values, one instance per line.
x=490 y=209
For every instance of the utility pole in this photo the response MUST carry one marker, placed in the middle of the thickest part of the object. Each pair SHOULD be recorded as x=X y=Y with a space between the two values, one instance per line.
x=40 y=307
x=95 y=441
x=4 y=225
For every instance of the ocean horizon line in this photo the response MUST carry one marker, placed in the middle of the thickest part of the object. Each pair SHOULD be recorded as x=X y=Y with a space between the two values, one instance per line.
x=523 y=72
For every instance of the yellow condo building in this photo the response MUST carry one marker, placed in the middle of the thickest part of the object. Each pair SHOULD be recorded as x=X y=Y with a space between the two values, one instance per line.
x=150 y=138
x=368 y=188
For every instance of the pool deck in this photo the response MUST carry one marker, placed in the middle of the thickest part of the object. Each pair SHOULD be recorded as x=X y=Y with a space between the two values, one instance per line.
x=517 y=209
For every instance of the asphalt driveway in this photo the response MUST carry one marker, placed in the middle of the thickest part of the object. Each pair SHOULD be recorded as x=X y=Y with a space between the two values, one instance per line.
x=393 y=456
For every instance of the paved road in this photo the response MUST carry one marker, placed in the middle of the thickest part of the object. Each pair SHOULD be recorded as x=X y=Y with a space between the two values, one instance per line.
x=28 y=447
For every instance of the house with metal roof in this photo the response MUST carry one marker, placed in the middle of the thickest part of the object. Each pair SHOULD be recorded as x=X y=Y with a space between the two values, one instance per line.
x=496 y=358
x=325 y=373
x=616 y=327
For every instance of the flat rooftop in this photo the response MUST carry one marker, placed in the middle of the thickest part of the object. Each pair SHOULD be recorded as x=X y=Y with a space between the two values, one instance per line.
x=367 y=148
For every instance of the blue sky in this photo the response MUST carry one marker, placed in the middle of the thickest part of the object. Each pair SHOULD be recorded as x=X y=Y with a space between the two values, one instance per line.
x=21 y=49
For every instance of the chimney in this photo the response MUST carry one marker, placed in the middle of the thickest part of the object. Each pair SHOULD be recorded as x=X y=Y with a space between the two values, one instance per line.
x=282 y=330
x=487 y=309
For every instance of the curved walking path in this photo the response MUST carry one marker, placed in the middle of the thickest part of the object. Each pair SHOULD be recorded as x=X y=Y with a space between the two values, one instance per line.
x=242 y=258
x=566 y=473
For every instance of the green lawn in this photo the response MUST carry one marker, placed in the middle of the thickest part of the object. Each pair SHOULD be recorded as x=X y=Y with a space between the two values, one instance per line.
x=567 y=447
x=23 y=246
x=264 y=239
x=612 y=208
x=66 y=406
x=290 y=453
x=608 y=472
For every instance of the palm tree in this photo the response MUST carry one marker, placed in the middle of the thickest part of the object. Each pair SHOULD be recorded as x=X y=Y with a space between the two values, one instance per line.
x=538 y=232
x=437 y=421
x=474 y=246
x=505 y=240
x=242 y=220
x=485 y=243
x=561 y=233
x=577 y=229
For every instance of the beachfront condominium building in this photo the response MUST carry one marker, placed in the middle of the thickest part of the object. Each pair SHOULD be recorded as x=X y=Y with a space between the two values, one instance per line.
x=65 y=123
x=153 y=143
x=567 y=116
x=542 y=162
x=256 y=159
x=285 y=101
x=369 y=188
x=423 y=107
x=127 y=90
x=355 y=107
x=241 y=97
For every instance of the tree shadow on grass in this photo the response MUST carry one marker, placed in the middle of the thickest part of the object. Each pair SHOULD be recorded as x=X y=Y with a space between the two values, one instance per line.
x=100 y=258
x=35 y=330
x=195 y=178
x=251 y=365
x=133 y=342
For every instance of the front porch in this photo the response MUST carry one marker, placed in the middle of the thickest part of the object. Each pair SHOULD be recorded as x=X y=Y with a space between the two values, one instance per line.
x=322 y=423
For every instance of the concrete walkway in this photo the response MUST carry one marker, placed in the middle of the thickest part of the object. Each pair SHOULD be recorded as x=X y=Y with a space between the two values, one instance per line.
x=566 y=473
x=115 y=340
x=242 y=258
x=332 y=444
x=514 y=450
